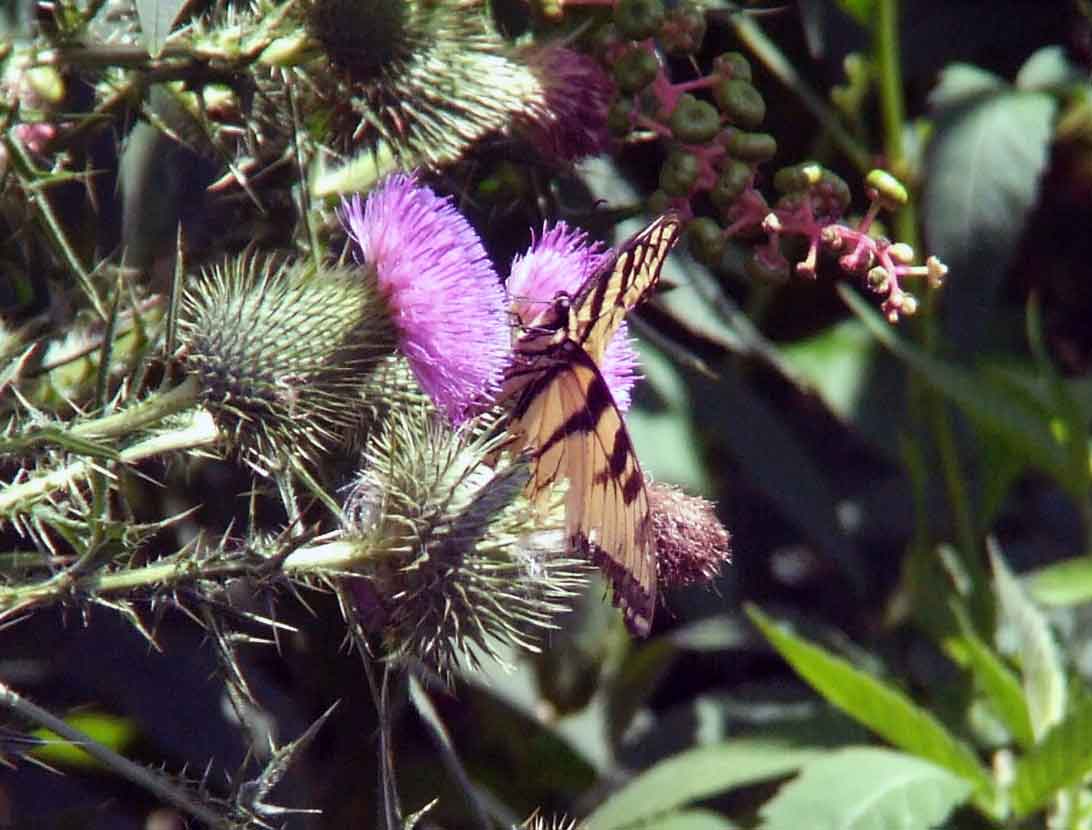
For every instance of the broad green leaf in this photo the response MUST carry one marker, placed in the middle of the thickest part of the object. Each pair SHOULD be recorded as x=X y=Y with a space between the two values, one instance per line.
x=997 y=681
x=1018 y=423
x=865 y=788
x=1068 y=582
x=694 y=775
x=693 y=820
x=962 y=83
x=878 y=706
x=108 y=730
x=983 y=172
x=1040 y=663
x=1061 y=759
x=157 y=18
x=1048 y=67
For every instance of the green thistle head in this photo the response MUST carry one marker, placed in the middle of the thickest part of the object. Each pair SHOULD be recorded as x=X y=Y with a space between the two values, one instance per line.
x=280 y=351
x=459 y=562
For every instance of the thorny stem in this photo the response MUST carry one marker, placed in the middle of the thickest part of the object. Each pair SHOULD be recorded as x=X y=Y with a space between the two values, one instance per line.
x=330 y=557
x=24 y=170
x=201 y=431
x=142 y=777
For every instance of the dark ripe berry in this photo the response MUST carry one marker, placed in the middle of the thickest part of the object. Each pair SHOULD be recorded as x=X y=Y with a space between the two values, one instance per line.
x=758 y=269
x=751 y=147
x=620 y=117
x=706 y=240
x=694 y=121
x=732 y=65
x=679 y=173
x=833 y=191
x=741 y=102
x=636 y=69
x=732 y=181
x=638 y=19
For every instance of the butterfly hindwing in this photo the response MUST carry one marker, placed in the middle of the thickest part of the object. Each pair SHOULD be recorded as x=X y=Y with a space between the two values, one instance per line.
x=570 y=419
x=565 y=414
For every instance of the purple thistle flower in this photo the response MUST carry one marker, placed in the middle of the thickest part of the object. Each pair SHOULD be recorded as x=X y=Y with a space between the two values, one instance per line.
x=562 y=259
x=444 y=295
x=573 y=124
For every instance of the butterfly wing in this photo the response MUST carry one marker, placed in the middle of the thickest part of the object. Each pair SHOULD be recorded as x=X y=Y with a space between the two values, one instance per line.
x=602 y=302
x=567 y=415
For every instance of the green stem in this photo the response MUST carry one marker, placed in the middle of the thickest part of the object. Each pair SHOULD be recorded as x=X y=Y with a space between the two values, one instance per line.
x=751 y=34
x=149 y=411
x=147 y=779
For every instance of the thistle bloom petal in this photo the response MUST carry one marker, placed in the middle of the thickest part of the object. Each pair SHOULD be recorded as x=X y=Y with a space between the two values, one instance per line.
x=444 y=296
x=562 y=259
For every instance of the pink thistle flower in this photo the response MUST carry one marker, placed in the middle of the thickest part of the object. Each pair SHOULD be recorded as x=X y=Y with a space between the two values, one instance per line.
x=573 y=123
x=562 y=260
x=444 y=296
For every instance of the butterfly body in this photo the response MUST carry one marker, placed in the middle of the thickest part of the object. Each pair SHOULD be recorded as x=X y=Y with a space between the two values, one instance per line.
x=565 y=415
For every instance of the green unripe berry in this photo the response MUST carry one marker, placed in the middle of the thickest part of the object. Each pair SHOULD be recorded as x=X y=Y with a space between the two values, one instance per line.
x=658 y=202
x=620 y=117
x=798 y=177
x=751 y=147
x=694 y=121
x=679 y=173
x=741 y=102
x=732 y=181
x=706 y=240
x=683 y=30
x=732 y=65
x=636 y=69
x=889 y=190
x=638 y=19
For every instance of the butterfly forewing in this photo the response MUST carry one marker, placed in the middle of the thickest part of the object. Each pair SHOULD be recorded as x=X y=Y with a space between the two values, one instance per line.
x=564 y=413
x=601 y=304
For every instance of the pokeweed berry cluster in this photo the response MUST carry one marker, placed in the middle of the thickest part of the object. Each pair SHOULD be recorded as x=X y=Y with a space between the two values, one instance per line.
x=712 y=127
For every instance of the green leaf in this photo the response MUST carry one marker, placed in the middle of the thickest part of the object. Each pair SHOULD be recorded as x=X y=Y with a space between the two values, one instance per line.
x=108 y=730
x=997 y=681
x=694 y=820
x=1040 y=663
x=983 y=169
x=1068 y=582
x=878 y=706
x=1019 y=423
x=157 y=18
x=860 y=10
x=864 y=788
x=963 y=83
x=1063 y=758
x=1048 y=68
x=694 y=775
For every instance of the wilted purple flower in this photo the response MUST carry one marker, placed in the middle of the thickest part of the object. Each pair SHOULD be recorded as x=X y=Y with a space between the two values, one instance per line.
x=444 y=296
x=573 y=124
x=562 y=259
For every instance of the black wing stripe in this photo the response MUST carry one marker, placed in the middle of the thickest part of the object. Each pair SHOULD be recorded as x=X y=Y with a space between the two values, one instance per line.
x=585 y=418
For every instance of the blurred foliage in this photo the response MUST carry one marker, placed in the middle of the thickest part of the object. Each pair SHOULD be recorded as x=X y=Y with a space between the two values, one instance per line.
x=903 y=637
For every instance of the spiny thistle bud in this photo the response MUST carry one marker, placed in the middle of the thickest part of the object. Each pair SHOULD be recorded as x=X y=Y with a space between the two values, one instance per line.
x=416 y=81
x=691 y=543
x=458 y=562
x=280 y=350
x=536 y=821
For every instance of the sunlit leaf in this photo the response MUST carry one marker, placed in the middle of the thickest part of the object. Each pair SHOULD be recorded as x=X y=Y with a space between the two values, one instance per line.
x=694 y=775
x=109 y=730
x=1061 y=759
x=865 y=788
x=1040 y=662
x=882 y=708
x=1068 y=582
